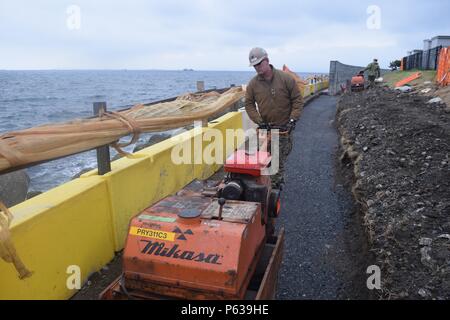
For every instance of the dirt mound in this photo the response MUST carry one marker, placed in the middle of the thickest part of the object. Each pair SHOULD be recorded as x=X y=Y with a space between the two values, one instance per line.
x=432 y=90
x=399 y=148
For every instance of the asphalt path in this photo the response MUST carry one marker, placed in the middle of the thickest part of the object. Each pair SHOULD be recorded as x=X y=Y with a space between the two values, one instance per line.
x=325 y=248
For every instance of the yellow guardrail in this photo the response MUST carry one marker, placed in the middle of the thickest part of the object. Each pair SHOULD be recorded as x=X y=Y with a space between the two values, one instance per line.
x=310 y=89
x=83 y=223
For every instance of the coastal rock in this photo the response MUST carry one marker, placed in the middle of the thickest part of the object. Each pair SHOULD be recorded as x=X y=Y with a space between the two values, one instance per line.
x=156 y=138
x=33 y=194
x=14 y=187
x=83 y=171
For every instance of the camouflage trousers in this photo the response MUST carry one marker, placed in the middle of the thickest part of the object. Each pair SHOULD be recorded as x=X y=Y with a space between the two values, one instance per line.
x=371 y=82
x=285 y=143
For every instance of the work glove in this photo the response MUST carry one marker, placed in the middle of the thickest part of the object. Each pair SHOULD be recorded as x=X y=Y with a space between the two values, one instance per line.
x=291 y=125
x=263 y=126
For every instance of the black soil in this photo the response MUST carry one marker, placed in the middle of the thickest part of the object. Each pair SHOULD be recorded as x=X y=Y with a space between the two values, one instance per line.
x=397 y=148
x=100 y=280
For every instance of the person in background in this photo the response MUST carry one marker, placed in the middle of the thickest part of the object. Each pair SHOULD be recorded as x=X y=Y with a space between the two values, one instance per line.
x=373 y=72
x=273 y=98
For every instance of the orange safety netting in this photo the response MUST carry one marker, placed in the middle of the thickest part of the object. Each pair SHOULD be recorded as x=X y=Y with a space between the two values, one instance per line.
x=300 y=83
x=443 y=70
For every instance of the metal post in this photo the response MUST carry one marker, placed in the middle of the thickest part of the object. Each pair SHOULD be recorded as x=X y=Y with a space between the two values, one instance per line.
x=103 y=156
x=200 y=86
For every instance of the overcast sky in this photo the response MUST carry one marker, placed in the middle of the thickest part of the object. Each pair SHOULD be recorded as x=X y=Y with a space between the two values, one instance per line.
x=212 y=35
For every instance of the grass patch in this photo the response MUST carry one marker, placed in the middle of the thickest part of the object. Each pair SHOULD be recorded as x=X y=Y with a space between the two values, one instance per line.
x=393 y=77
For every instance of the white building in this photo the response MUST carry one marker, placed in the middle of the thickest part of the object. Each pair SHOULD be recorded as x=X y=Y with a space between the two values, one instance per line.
x=430 y=50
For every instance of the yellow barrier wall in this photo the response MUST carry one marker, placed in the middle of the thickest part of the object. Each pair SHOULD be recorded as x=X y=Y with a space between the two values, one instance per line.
x=83 y=222
x=309 y=89
x=68 y=225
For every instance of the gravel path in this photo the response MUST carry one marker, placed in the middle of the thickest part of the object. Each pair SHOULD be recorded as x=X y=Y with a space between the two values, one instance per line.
x=325 y=253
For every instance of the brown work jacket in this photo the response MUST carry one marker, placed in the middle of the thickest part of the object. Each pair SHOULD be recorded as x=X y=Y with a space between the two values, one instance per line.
x=275 y=101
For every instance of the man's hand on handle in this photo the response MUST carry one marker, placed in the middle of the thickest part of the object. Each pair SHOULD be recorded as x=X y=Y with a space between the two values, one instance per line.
x=283 y=129
x=291 y=125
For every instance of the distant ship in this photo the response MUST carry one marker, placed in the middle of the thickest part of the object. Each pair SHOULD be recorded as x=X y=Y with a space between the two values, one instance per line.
x=188 y=69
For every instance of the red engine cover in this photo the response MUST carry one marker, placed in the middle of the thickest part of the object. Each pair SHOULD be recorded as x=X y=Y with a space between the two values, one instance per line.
x=358 y=80
x=252 y=164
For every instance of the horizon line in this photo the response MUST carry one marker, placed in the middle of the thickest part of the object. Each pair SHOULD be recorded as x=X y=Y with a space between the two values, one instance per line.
x=133 y=69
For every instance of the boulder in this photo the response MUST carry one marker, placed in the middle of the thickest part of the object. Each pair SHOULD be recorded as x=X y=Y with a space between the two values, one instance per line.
x=14 y=187
x=154 y=139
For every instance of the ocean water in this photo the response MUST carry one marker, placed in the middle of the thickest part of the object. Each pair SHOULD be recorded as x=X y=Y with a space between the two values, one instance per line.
x=31 y=98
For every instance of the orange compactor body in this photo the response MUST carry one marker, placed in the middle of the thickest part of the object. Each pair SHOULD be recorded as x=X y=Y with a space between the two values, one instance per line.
x=196 y=246
x=357 y=82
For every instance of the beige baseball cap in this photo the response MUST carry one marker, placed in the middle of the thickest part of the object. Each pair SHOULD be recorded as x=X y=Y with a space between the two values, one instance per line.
x=256 y=55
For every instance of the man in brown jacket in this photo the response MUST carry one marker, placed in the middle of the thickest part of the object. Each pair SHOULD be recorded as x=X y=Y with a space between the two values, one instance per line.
x=273 y=98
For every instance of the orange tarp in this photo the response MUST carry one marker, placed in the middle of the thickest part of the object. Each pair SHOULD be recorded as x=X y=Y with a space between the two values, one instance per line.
x=410 y=78
x=300 y=83
x=443 y=70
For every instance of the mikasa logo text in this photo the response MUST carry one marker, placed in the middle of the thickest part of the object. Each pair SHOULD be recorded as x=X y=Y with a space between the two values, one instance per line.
x=160 y=249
